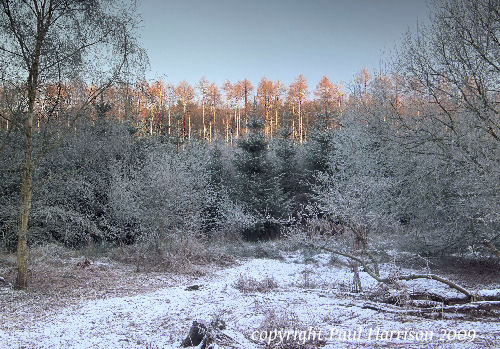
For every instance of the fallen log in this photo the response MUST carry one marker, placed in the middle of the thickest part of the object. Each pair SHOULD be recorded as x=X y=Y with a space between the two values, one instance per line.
x=461 y=308
x=425 y=296
x=484 y=295
x=467 y=296
x=393 y=280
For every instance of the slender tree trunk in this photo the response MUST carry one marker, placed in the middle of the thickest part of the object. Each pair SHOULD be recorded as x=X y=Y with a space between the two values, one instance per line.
x=271 y=122
x=276 y=119
x=246 y=104
x=203 y=115
x=151 y=121
x=300 y=123
x=235 y=119
x=238 y=125
x=215 y=110
x=26 y=185
x=266 y=111
x=169 y=119
x=184 y=122
x=24 y=208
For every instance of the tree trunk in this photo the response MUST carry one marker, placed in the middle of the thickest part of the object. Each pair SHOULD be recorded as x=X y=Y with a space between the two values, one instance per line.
x=24 y=208
x=26 y=184
x=238 y=124
x=246 y=104
x=203 y=115
x=184 y=121
x=151 y=121
x=214 y=111
x=300 y=122
x=169 y=118
x=276 y=120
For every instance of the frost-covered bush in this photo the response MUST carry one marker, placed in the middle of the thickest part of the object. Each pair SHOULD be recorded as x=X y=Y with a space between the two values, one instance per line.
x=432 y=191
x=248 y=284
x=358 y=188
x=74 y=201
x=79 y=187
x=448 y=193
x=170 y=190
x=10 y=174
x=452 y=135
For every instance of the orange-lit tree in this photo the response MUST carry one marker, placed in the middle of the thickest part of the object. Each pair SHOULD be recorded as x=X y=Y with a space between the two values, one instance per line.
x=214 y=98
x=297 y=95
x=185 y=94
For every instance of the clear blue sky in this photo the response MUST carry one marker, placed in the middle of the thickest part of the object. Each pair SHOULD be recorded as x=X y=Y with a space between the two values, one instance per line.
x=234 y=39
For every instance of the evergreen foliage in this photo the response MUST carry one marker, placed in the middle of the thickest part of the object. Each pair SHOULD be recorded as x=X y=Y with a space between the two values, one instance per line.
x=259 y=186
x=213 y=204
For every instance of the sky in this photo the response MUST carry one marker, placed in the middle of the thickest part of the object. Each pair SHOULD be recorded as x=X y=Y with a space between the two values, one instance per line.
x=278 y=39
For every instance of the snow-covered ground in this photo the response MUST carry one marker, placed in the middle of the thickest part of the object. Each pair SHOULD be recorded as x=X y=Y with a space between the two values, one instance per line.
x=309 y=298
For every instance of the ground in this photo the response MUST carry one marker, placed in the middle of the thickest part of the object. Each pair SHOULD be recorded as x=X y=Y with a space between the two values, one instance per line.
x=100 y=303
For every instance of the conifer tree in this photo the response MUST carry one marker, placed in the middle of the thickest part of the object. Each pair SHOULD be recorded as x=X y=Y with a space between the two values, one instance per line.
x=214 y=192
x=320 y=147
x=258 y=187
x=287 y=164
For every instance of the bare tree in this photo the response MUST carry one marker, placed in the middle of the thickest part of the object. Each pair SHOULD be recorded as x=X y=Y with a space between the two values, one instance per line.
x=454 y=66
x=46 y=41
x=297 y=94
x=326 y=93
x=203 y=86
x=456 y=62
x=186 y=93
x=265 y=92
x=214 y=96
x=247 y=90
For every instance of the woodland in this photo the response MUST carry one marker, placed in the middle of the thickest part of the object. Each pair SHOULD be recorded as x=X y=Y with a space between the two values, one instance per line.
x=405 y=159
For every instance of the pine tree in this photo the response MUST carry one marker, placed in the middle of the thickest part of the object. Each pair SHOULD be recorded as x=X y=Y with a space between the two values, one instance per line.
x=287 y=165
x=320 y=147
x=258 y=186
x=213 y=192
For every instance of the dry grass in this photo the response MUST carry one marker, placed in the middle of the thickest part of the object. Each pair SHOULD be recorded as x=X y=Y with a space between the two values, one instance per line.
x=288 y=322
x=188 y=257
x=248 y=284
x=59 y=277
x=279 y=320
x=308 y=282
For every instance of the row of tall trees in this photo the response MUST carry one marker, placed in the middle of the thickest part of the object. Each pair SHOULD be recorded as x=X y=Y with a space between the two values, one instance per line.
x=205 y=110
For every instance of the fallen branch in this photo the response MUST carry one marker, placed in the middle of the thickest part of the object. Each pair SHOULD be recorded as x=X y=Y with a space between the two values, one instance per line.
x=394 y=280
x=433 y=277
x=427 y=296
x=461 y=308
